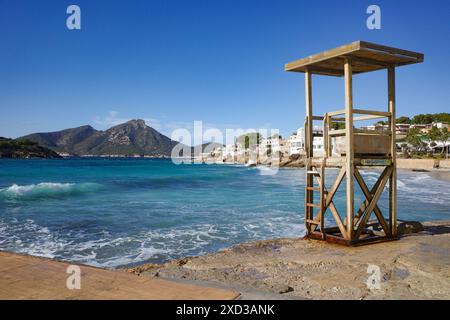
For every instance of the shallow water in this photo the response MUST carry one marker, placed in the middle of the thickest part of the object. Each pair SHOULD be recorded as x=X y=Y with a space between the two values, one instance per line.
x=117 y=212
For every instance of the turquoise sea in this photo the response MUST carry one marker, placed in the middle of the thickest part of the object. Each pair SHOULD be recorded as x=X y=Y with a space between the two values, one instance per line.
x=119 y=212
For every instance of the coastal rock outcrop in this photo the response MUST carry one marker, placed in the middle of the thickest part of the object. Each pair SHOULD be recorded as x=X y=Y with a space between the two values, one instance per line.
x=10 y=148
x=414 y=267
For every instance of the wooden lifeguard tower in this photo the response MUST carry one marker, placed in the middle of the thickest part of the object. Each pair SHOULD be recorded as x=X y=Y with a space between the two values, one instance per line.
x=350 y=148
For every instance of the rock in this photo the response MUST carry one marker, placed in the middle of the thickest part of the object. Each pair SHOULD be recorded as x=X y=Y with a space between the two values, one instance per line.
x=281 y=288
x=182 y=262
x=286 y=289
x=415 y=267
x=285 y=163
x=144 y=268
x=408 y=227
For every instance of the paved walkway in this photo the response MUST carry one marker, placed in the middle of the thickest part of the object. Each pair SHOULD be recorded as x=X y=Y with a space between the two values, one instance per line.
x=26 y=277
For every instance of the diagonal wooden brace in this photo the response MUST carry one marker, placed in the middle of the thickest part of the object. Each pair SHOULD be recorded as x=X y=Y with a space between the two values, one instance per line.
x=369 y=195
x=384 y=178
x=365 y=203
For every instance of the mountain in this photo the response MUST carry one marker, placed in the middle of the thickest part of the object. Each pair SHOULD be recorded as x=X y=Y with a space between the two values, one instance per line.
x=10 y=148
x=65 y=141
x=129 y=138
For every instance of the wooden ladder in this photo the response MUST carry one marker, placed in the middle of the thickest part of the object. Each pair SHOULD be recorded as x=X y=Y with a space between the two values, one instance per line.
x=319 y=173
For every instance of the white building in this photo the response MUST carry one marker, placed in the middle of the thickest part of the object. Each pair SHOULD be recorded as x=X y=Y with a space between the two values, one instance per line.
x=377 y=127
x=402 y=128
x=318 y=146
x=228 y=150
x=297 y=142
x=440 y=125
x=266 y=144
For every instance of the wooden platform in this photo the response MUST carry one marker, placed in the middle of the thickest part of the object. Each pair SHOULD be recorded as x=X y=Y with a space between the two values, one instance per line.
x=365 y=57
x=26 y=277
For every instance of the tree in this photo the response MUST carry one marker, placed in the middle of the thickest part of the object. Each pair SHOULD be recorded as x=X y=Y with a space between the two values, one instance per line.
x=434 y=134
x=422 y=119
x=443 y=137
x=429 y=118
x=251 y=138
x=338 y=125
x=403 y=120
x=247 y=142
x=447 y=136
x=414 y=137
x=442 y=117
x=439 y=135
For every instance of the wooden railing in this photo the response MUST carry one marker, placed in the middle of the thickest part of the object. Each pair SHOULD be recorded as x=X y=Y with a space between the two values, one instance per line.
x=331 y=117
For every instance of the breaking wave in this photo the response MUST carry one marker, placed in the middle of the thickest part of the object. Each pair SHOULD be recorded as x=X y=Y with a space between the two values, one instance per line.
x=110 y=250
x=47 y=190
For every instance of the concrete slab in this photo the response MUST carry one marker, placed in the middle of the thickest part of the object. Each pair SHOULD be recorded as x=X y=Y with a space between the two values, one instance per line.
x=27 y=277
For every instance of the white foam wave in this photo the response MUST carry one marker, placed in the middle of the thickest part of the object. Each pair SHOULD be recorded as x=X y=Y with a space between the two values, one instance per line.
x=21 y=190
x=30 y=238
x=265 y=170
x=147 y=246
x=47 y=189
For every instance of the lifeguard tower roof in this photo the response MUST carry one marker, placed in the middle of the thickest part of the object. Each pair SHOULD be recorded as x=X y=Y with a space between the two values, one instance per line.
x=365 y=57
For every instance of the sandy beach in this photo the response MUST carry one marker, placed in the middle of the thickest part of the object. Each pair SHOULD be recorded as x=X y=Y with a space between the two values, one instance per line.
x=415 y=267
x=440 y=174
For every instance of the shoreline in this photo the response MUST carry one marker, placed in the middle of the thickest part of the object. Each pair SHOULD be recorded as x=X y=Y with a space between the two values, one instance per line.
x=432 y=167
x=417 y=266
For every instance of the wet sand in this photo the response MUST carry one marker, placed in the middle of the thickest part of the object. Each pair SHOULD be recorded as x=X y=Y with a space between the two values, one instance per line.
x=415 y=267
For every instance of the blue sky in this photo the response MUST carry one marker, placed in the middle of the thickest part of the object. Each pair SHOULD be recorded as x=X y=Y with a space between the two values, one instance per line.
x=219 y=61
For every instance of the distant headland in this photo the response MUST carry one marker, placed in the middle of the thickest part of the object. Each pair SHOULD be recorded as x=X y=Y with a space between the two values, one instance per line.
x=24 y=148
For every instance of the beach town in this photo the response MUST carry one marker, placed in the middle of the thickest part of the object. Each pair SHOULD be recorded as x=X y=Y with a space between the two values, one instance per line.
x=411 y=138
